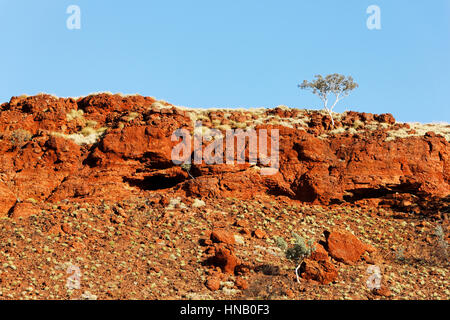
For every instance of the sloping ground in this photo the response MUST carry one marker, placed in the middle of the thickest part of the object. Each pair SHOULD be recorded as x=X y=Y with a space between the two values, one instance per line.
x=90 y=182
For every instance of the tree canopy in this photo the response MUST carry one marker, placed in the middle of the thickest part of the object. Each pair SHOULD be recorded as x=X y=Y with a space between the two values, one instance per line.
x=336 y=84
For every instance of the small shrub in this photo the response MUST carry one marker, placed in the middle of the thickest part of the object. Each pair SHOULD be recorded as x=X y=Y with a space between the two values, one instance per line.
x=281 y=243
x=187 y=167
x=20 y=136
x=300 y=250
x=74 y=114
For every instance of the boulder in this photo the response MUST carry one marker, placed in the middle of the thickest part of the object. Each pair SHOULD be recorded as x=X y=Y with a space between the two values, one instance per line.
x=321 y=271
x=223 y=236
x=344 y=246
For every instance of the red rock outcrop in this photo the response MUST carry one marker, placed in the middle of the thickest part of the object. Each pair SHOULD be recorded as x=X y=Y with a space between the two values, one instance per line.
x=111 y=147
x=224 y=258
x=222 y=236
x=345 y=247
x=321 y=271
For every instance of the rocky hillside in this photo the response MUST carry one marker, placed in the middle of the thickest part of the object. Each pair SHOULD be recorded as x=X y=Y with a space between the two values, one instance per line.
x=70 y=167
x=109 y=147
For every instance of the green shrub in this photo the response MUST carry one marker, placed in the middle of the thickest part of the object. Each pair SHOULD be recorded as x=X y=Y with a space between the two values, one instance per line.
x=300 y=250
x=281 y=243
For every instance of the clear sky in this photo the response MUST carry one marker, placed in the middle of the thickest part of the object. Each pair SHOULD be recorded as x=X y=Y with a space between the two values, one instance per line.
x=247 y=53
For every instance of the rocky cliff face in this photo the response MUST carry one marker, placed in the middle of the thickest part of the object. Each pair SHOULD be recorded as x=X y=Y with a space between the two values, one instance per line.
x=112 y=147
x=89 y=184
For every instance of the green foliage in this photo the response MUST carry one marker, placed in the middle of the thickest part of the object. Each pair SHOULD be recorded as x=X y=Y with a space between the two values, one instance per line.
x=300 y=250
x=281 y=243
x=336 y=84
x=187 y=167
x=332 y=83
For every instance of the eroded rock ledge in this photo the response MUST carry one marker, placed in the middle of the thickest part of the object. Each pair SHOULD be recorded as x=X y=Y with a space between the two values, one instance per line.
x=112 y=147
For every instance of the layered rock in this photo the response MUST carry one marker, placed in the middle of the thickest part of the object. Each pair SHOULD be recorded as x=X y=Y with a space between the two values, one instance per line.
x=111 y=147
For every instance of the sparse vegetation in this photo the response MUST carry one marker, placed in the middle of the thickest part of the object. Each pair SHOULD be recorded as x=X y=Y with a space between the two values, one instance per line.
x=419 y=130
x=187 y=167
x=87 y=135
x=336 y=84
x=198 y=203
x=281 y=243
x=156 y=243
x=74 y=114
x=20 y=136
x=300 y=250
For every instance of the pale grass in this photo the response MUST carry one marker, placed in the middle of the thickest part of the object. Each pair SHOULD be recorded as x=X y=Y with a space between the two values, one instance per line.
x=87 y=136
x=441 y=128
x=74 y=114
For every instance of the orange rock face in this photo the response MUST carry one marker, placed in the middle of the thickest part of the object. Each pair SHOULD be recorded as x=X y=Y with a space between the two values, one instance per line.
x=319 y=254
x=213 y=283
x=24 y=210
x=225 y=259
x=241 y=283
x=260 y=234
x=7 y=200
x=223 y=236
x=344 y=246
x=110 y=147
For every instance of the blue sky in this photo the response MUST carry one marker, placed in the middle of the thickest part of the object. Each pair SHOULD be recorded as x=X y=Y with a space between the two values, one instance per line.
x=248 y=53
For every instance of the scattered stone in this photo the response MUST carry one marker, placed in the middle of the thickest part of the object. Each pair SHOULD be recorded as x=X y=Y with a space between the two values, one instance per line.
x=223 y=236
x=321 y=271
x=207 y=242
x=344 y=246
x=382 y=292
x=241 y=283
x=289 y=293
x=213 y=283
x=77 y=188
x=260 y=234
x=65 y=227
x=242 y=223
x=155 y=269
x=320 y=254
